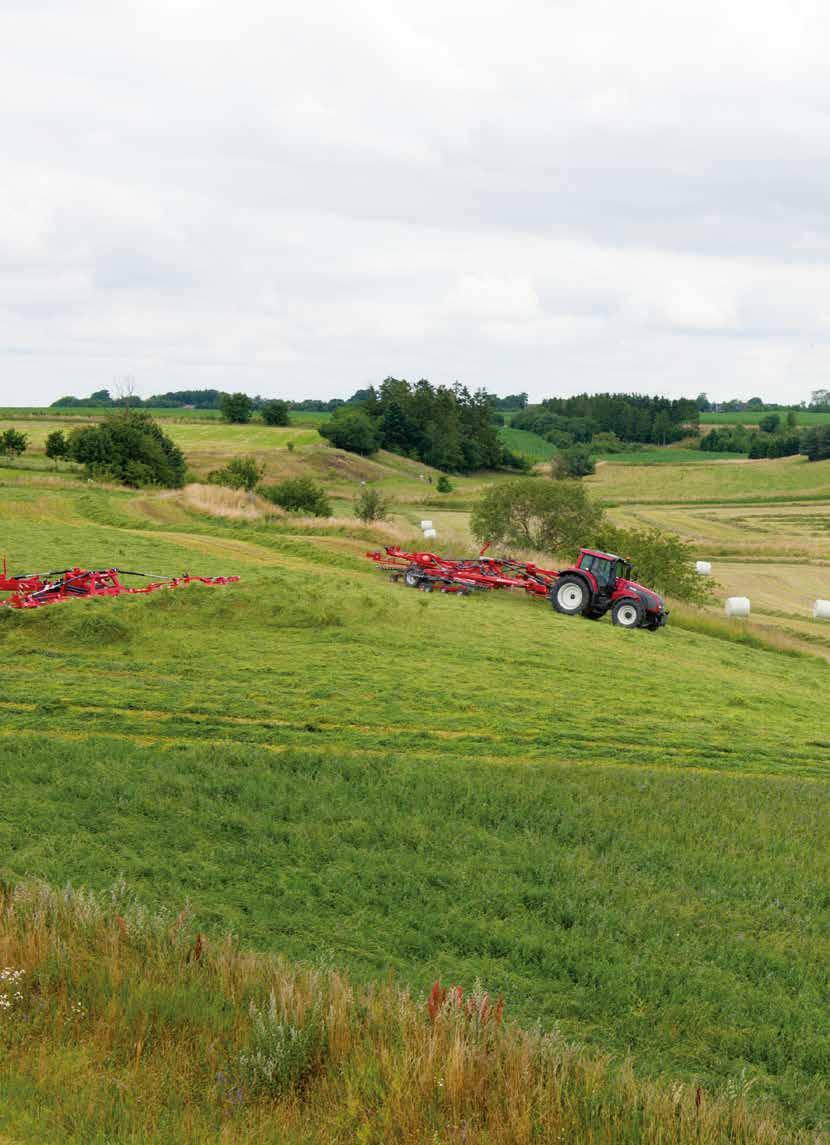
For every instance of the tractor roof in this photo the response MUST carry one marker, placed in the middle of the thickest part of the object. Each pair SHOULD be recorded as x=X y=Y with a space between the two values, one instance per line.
x=605 y=556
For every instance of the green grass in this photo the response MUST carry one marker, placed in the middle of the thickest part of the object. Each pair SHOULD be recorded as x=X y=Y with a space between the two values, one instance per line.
x=666 y=456
x=528 y=444
x=626 y=833
x=750 y=417
x=790 y=478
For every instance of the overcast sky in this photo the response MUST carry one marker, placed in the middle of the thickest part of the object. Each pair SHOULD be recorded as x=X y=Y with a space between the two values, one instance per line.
x=300 y=199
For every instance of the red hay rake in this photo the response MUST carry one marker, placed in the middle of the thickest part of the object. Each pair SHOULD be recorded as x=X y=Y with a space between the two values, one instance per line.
x=34 y=590
x=429 y=572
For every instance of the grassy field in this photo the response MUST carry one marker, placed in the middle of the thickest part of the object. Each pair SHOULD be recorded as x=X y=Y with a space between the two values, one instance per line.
x=151 y=1033
x=786 y=479
x=528 y=444
x=344 y=771
x=339 y=769
x=750 y=417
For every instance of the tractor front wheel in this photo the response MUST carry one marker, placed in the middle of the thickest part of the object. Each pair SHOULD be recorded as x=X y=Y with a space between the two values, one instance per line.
x=627 y=614
x=570 y=595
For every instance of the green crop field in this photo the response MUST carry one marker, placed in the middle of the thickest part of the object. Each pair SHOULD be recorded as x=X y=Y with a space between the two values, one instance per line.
x=625 y=833
x=528 y=444
x=750 y=417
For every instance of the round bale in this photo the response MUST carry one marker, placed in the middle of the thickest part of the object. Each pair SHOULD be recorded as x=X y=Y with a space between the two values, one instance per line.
x=737 y=606
x=821 y=610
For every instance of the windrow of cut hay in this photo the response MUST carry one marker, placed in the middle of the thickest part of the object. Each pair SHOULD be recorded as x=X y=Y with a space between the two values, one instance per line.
x=128 y=1026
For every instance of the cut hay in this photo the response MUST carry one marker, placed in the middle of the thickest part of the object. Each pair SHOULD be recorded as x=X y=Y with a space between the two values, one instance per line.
x=234 y=504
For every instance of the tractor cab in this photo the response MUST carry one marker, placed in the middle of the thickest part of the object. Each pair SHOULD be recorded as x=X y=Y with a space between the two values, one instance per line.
x=606 y=568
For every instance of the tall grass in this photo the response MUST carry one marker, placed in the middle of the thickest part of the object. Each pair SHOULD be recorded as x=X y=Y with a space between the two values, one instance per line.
x=130 y=1027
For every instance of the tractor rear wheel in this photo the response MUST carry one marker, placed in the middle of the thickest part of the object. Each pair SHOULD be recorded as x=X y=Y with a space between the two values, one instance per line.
x=570 y=595
x=627 y=614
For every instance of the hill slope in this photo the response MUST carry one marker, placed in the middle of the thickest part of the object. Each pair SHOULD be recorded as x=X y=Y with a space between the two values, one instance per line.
x=625 y=833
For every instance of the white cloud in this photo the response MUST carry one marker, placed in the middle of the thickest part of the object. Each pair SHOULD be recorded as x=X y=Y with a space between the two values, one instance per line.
x=297 y=201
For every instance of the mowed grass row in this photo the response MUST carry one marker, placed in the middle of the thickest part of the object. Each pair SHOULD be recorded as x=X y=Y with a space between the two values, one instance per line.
x=624 y=832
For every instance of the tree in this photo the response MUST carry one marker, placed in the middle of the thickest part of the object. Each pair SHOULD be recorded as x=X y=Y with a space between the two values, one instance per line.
x=575 y=461
x=370 y=505
x=769 y=423
x=275 y=413
x=299 y=495
x=552 y=516
x=128 y=446
x=820 y=399
x=240 y=473
x=13 y=443
x=661 y=561
x=444 y=485
x=56 y=445
x=351 y=429
x=792 y=419
x=815 y=443
x=236 y=408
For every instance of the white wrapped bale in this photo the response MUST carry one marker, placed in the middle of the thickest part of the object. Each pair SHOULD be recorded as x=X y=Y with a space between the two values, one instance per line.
x=704 y=568
x=821 y=610
x=737 y=606
x=426 y=524
x=429 y=533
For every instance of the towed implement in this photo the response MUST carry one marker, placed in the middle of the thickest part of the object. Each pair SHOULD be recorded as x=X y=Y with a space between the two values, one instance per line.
x=34 y=590
x=598 y=583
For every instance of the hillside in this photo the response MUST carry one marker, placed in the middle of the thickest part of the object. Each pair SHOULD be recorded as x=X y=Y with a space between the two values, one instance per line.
x=626 y=834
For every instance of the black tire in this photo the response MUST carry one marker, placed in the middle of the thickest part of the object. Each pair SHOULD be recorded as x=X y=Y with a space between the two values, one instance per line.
x=592 y=614
x=412 y=576
x=653 y=625
x=628 y=613
x=570 y=595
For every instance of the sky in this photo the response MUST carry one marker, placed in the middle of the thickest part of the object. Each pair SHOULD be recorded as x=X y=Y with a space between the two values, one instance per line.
x=298 y=200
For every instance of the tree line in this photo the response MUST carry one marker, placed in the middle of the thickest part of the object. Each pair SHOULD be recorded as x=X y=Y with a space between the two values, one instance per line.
x=447 y=427
x=776 y=436
x=629 y=417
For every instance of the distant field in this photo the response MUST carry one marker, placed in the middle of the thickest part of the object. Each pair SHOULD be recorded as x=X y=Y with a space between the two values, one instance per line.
x=668 y=456
x=750 y=417
x=530 y=445
x=787 y=478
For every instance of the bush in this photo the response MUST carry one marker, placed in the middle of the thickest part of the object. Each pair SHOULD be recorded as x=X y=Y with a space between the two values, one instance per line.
x=353 y=430
x=517 y=461
x=607 y=443
x=240 y=473
x=299 y=495
x=275 y=413
x=56 y=445
x=575 y=461
x=553 y=516
x=815 y=443
x=128 y=446
x=444 y=485
x=769 y=423
x=13 y=443
x=660 y=560
x=236 y=408
x=371 y=505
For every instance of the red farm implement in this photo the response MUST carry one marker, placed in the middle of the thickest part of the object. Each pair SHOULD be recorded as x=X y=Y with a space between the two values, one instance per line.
x=34 y=590
x=598 y=583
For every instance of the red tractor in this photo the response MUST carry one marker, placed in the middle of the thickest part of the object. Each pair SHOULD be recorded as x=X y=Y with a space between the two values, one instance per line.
x=601 y=582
